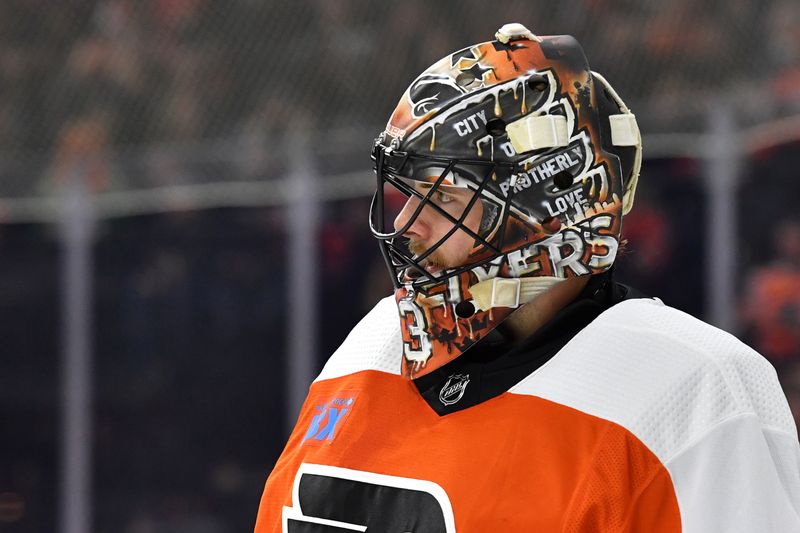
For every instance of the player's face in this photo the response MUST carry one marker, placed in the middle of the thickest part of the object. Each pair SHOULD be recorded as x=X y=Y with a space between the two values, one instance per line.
x=430 y=226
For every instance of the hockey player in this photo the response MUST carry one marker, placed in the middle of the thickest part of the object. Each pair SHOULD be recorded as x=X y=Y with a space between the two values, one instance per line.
x=511 y=385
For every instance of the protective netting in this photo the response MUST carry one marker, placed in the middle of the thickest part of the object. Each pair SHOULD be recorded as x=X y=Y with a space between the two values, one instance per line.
x=138 y=94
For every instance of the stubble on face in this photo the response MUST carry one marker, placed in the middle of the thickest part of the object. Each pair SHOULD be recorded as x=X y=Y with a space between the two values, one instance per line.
x=435 y=259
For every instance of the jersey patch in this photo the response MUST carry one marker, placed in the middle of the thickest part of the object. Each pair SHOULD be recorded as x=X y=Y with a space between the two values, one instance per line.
x=329 y=418
x=453 y=389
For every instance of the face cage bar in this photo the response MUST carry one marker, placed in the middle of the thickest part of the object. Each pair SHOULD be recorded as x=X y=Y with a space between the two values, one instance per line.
x=397 y=260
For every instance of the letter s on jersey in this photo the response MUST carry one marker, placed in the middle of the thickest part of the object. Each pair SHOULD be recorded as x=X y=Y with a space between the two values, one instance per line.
x=332 y=499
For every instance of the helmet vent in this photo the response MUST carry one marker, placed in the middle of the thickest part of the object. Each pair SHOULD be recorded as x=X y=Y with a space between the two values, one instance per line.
x=496 y=127
x=465 y=309
x=563 y=180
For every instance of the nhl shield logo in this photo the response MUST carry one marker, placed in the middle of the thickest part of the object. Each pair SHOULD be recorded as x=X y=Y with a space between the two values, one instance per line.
x=453 y=389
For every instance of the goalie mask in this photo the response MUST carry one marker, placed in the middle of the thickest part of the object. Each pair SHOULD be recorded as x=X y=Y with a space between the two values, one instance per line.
x=521 y=158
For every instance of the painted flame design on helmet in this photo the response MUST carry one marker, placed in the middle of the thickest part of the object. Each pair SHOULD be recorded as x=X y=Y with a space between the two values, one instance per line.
x=550 y=151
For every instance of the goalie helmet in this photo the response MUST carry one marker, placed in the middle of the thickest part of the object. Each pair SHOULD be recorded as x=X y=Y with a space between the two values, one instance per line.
x=548 y=154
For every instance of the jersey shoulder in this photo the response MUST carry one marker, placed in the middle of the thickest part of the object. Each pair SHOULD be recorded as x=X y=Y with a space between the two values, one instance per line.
x=662 y=374
x=374 y=344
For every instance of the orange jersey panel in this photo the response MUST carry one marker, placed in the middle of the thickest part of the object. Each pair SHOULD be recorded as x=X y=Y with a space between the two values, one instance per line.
x=377 y=457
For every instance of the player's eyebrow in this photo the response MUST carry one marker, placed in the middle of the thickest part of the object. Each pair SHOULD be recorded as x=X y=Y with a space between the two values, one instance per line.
x=450 y=189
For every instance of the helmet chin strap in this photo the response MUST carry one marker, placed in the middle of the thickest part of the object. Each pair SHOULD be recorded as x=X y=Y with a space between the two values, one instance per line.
x=510 y=292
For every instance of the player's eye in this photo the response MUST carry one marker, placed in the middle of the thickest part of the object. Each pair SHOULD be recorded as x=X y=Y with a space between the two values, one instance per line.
x=442 y=197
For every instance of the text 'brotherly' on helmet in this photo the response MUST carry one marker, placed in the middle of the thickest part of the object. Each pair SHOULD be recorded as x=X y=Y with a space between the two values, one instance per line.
x=548 y=150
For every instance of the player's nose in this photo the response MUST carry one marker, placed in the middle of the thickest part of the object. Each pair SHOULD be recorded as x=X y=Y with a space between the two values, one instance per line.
x=418 y=227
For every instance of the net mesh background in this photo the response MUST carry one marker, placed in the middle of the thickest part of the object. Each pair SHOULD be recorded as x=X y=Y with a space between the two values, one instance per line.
x=177 y=92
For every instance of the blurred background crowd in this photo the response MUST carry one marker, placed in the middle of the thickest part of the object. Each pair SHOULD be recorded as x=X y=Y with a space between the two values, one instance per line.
x=181 y=118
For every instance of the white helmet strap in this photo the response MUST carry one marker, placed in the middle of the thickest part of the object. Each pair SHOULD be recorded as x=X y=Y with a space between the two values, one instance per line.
x=625 y=132
x=510 y=292
x=537 y=132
